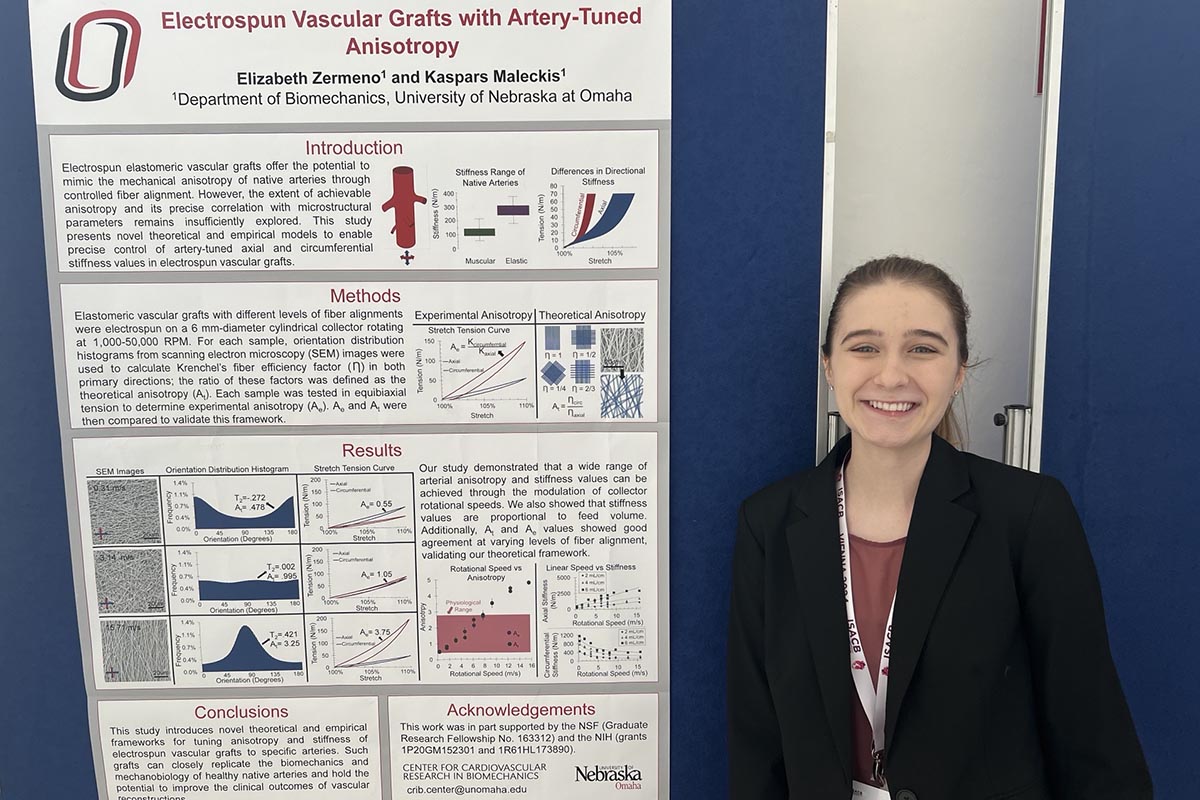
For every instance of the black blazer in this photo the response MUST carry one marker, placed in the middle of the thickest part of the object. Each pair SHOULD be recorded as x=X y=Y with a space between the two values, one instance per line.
x=1001 y=683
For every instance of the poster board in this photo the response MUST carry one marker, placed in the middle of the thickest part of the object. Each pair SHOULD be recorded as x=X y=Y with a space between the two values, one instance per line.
x=350 y=309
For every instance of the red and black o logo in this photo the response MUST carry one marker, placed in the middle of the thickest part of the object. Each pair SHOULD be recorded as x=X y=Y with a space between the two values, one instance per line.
x=124 y=57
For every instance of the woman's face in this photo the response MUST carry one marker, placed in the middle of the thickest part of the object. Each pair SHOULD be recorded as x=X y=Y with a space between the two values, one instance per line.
x=894 y=364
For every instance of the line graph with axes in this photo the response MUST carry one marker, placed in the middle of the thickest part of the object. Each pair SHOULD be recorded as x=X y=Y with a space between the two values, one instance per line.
x=487 y=369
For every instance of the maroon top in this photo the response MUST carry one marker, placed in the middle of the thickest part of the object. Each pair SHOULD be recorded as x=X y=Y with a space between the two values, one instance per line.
x=874 y=571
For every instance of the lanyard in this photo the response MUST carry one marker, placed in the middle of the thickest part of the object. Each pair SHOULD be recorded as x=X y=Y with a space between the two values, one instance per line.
x=874 y=700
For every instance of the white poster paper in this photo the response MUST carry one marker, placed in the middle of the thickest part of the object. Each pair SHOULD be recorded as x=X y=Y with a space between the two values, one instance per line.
x=360 y=330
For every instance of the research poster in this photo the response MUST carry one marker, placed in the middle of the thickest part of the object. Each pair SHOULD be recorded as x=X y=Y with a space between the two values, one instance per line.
x=360 y=320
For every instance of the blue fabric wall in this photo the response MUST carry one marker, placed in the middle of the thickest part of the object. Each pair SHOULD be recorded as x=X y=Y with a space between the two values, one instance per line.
x=44 y=749
x=1123 y=366
x=748 y=141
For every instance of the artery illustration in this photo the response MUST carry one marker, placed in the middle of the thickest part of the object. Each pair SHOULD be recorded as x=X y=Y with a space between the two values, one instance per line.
x=403 y=204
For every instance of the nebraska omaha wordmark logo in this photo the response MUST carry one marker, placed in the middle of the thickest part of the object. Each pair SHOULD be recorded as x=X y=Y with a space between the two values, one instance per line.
x=124 y=55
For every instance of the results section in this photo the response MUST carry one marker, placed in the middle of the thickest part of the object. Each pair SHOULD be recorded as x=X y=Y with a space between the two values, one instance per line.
x=483 y=558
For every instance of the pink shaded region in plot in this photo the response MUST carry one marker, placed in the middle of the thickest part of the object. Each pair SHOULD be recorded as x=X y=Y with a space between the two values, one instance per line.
x=483 y=633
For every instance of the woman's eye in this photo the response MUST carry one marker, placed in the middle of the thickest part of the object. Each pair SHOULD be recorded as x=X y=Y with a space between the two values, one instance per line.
x=863 y=348
x=924 y=349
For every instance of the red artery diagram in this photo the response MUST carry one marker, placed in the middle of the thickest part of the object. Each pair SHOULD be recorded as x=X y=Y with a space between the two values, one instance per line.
x=402 y=204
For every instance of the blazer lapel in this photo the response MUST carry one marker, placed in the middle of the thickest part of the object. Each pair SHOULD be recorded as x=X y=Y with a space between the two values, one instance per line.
x=937 y=532
x=812 y=539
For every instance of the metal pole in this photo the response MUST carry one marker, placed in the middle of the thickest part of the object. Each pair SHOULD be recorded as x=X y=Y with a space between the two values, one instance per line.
x=835 y=428
x=1017 y=434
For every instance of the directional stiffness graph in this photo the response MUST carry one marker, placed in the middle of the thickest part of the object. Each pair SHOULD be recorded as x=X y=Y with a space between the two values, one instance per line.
x=611 y=217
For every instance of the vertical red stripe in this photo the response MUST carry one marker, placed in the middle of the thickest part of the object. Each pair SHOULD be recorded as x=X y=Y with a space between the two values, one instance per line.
x=1041 y=72
x=588 y=207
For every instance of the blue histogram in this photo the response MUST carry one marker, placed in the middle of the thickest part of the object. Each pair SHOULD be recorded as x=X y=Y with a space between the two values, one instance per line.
x=248 y=655
x=217 y=591
x=209 y=518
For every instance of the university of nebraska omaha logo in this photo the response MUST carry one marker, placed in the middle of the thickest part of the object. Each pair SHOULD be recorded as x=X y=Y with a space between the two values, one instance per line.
x=124 y=56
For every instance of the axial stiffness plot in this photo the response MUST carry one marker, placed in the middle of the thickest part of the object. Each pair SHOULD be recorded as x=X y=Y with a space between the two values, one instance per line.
x=130 y=581
x=124 y=511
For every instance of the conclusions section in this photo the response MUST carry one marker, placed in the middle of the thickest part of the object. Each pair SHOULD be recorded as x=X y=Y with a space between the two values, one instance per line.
x=267 y=749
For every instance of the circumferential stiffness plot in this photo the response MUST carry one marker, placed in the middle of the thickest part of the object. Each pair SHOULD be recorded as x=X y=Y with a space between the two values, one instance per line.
x=129 y=581
x=124 y=511
x=135 y=650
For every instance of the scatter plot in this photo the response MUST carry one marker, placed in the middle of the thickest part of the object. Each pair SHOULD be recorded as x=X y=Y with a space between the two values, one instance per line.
x=124 y=511
x=553 y=373
x=621 y=397
x=622 y=350
x=582 y=371
x=129 y=581
x=135 y=650
x=583 y=337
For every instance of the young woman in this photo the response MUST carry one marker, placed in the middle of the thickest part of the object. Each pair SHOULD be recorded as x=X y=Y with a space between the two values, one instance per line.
x=910 y=621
